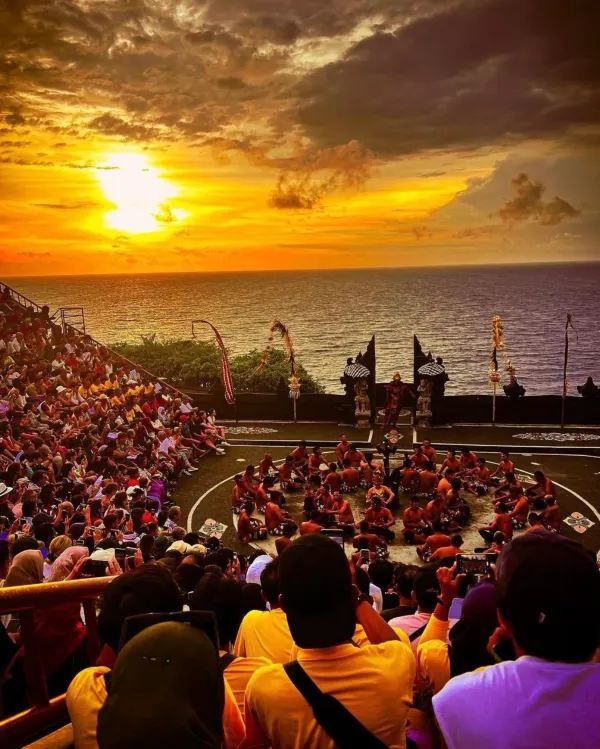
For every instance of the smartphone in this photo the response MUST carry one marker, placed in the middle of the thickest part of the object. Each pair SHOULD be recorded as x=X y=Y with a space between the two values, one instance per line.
x=93 y=568
x=365 y=555
x=473 y=564
x=123 y=554
x=334 y=533
x=204 y=620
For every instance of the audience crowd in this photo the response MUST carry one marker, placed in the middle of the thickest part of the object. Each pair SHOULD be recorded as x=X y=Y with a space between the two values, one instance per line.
x=202 y=647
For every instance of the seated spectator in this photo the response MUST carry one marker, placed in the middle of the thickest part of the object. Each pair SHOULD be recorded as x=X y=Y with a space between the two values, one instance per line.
x=425 y=593
x=169 y=669
x=542 y=579
x=224 y=597
x=404 y=580
x=266 y=634
x=323 y=609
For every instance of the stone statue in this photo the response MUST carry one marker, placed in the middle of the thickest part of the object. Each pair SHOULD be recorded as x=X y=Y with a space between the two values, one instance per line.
x=513 y=390
x=423 y=412
x=589 y=389
x=362 y=403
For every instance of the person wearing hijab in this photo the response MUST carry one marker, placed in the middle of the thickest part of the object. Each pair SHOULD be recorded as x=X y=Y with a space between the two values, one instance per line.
x=166 y=689
x=65 y=563
x=26 y=569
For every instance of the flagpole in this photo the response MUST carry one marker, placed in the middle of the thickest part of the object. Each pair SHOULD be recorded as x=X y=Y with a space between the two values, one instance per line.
x=565 y=362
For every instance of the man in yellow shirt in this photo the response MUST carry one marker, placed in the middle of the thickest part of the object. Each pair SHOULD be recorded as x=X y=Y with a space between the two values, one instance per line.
x=266 y=634
x=374 y=683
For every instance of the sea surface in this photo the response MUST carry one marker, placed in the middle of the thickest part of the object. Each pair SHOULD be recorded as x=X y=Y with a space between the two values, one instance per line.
x=332 y=315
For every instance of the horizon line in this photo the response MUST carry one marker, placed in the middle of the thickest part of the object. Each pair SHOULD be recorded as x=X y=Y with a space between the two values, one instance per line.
x=510 y=263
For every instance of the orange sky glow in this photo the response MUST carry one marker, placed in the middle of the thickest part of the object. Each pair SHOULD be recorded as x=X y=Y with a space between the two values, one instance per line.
x=176 y=136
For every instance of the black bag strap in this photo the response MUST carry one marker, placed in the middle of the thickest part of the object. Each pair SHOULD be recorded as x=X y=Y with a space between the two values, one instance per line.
x=417 y=633
x=337 y=721
x=226 y=660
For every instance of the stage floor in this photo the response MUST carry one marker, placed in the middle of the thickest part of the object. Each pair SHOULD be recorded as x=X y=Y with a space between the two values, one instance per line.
x=207 y=494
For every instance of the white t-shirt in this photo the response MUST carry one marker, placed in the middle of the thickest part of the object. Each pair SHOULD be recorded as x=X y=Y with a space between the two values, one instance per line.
x=524 y=704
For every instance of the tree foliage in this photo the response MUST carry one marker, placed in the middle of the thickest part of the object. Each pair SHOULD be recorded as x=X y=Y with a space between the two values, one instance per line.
x=197 y=365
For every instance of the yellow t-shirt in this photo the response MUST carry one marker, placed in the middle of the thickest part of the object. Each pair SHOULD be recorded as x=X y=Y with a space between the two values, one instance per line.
x=265 y=634
x=373 y=682
x=238 y=674
x=360 y=636
x=87 y=693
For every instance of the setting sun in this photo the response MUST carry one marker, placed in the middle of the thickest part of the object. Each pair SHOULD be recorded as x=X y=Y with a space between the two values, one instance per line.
x=139 y=194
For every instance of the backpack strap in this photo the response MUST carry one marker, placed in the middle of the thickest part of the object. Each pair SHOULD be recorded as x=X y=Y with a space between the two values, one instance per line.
x=417 y=633
x=336 y=720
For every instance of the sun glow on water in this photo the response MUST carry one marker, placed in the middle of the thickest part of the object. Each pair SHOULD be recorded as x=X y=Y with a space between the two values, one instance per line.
x=138 y=192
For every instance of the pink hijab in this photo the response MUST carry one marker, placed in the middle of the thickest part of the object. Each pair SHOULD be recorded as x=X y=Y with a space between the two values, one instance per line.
x=65 y=562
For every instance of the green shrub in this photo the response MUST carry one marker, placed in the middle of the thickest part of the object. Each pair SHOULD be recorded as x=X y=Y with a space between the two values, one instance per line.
x=197 y=365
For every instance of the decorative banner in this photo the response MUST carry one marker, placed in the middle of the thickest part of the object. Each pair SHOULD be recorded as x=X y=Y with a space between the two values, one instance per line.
x=497 y=345
x=578 y=522
x=278 y=327
x=226 y=377
x=212 y=528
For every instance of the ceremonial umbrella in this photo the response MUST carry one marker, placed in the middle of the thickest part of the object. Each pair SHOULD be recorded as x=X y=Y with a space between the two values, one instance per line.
x=431 y=369
x=356 y=371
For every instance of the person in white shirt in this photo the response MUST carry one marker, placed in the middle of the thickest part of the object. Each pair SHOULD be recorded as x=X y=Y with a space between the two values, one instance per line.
x=549 y=611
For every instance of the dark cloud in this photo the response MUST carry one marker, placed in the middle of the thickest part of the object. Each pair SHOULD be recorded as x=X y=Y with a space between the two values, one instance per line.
x=481 y=72
x=311 y=176
x=528 y=204
x=109 y=124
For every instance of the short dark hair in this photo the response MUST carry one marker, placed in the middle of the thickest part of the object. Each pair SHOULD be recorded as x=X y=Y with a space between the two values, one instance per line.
x=381 y=572
x=456 y=540
x=542 y=579
x=223 y=596
x=269 y=582
x=150 y=588
x=427 y=588
x=404 y=578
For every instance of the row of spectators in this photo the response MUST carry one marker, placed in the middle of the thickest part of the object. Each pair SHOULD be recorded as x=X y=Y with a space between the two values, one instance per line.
x=505 y=660
x=90 y=451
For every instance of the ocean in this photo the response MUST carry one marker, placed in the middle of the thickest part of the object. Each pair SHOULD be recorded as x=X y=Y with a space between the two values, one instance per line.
x=332 y=315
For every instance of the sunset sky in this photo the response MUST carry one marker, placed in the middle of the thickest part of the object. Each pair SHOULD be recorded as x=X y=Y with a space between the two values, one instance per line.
x=165 y=135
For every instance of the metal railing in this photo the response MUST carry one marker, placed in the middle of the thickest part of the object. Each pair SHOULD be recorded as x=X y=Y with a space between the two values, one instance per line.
x=25 y=302
x=45 y=713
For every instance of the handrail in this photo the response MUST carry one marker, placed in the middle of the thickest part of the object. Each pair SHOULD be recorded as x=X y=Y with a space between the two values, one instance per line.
x=46 y=595
x=17 y=730
x=17 y=296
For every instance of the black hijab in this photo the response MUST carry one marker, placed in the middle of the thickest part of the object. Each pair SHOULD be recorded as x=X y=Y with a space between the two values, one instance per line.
x=166 y=690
